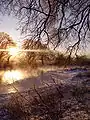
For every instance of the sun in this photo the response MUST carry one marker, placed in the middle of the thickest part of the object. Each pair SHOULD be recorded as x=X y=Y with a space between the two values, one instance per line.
x=14 y=51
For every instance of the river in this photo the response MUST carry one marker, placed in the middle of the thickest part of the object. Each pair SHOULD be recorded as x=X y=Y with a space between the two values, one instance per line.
x=22 y=80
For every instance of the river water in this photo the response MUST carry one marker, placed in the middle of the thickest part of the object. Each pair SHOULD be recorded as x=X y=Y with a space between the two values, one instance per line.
x=22 y=80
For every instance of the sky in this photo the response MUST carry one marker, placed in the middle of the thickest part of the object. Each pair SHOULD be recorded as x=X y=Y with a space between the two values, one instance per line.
x=9 y=25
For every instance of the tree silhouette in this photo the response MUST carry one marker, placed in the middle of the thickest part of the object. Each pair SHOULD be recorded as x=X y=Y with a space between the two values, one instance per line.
x=5 y=42
x=32 y=57
x=56 y=21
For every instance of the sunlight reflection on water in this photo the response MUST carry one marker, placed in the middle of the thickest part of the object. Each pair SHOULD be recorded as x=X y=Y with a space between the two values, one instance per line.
x=8 y=77
x=12 y=76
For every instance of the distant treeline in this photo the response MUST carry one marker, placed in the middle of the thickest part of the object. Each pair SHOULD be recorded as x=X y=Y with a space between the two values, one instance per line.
x=54 y=58
x=50 y=57
x=45 y=58
x=68 y=60
x=35 y=59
